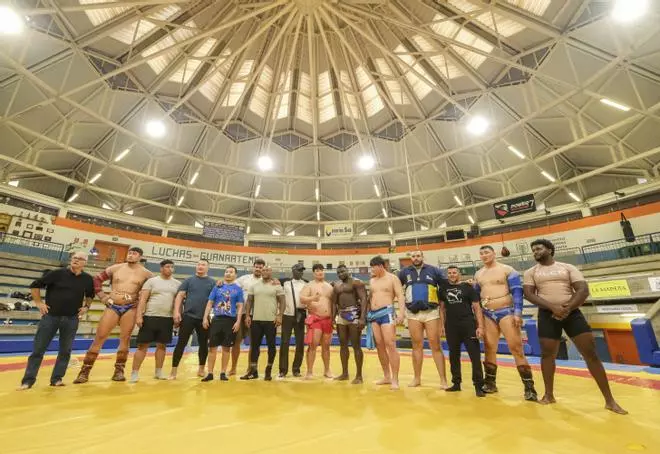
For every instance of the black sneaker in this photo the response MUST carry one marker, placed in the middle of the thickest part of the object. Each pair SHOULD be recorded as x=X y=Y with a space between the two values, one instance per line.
x=478 y=390
x=252 y=375
x=455 y=387
x=268 y=376
x=223 y=377
x=208 y=377
x=297 y=374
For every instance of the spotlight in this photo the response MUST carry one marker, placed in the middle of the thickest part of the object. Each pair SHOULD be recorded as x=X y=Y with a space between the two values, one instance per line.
x=366 y=162
x=477 y=125
x=155 y=128
x=10 y=22
x=265 y=163
x=629 y=10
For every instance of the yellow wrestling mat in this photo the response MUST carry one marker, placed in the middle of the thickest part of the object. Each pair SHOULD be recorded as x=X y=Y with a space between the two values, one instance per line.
x=320 y=416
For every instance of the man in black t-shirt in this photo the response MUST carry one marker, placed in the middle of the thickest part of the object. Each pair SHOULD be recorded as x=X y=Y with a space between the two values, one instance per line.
x=464 y=324
x=69 y=292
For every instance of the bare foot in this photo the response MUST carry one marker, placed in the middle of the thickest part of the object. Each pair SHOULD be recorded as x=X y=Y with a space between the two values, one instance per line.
x=232 y=372
x=443 y=384
x=383 y=381
x=342 y=377
x=201 y=373
x=172 y=377
x=23 y=387
x=395 y=385
x=415 y=383
x=614 y=407
x=547 y=400
x=309 y=377
x=329 y=375
x=357 y=381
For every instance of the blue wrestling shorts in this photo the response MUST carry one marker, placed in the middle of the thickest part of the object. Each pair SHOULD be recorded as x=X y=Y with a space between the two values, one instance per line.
x=498 y=314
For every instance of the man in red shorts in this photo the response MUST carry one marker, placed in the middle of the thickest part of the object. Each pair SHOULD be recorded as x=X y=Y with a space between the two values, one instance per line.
x=317 y=297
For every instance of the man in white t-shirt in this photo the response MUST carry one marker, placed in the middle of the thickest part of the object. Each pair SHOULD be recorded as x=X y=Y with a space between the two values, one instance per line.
x=155 y=318
x=293 y=321
x=245 y=282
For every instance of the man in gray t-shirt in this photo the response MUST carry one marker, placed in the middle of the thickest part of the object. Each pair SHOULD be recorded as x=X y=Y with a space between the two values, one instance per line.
x=192 y=296
x=266 y=297
x=154 y=317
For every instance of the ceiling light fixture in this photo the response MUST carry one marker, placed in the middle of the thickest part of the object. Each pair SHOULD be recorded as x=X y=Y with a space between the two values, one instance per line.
x=471 y=219
x=95 y=178
x=247 y=230
x=10 y=22
x=13 y=183
x=198 y=225
x=276 y=233
x=363 y=233
x=180 y=201
x=629 y=10
x=614 y=104
x=73 y=197
x=574 y=197
x=477 y=125
x=516 y=152
x=129 y=212
x=316 y=193
x=389 y=229
x=548 y=176
x=384 y=212
x=291 y=233
x=318 y=215
x=122 y=155
x=639 y=181
x=366 y=162
x=105 y=206
x=376 y=190
x=458 y=200
x=155 y=128
x=169 y=218
x=443 y=225
x=194 y=178
x=423 y=227
x=265 y=163
x=256 y=191
x=318 y=233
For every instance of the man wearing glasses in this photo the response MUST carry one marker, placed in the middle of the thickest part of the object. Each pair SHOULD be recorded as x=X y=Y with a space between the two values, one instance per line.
x=69 y=292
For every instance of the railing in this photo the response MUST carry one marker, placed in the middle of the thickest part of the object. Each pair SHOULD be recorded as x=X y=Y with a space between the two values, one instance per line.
x=520 y=262
x=26 y=246
x=620 y=249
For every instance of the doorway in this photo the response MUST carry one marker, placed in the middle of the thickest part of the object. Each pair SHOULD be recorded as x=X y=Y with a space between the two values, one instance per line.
x=111 y=252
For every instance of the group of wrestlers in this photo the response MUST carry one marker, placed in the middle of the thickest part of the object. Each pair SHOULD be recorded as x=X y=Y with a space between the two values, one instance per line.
x=435 y=302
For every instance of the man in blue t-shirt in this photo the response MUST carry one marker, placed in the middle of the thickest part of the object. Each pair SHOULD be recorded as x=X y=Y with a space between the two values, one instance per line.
x=226 y=303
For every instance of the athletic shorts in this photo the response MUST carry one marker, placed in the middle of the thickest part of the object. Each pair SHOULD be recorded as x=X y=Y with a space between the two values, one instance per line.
x=156 y=329
x=424 y=316
x=574 y=325
x=498 y=314
x=387 y=319
x=221 y=333
x=343 y=322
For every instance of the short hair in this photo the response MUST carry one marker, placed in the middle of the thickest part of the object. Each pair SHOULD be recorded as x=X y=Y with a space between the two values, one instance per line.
x=317 y=266
x=543 y=242
x=166 y=262
x=204 y=260
x=454 y=267
x=417 y=250
x=340 y=266
x=232 y=267
x=377 y=261
x=259 y=261
x=487 y=246
x=136 y=249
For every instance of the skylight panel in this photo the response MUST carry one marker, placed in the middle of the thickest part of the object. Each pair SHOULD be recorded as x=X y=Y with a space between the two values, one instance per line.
x=101 y=15
x=327 y=109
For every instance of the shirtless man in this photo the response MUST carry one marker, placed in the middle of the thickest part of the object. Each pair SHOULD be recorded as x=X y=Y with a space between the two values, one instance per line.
x=385 y=288
x=245 y=282
x=499 y=288
x=120 y=308
x=559 y=290
x=317 y=297
x=349 y=306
